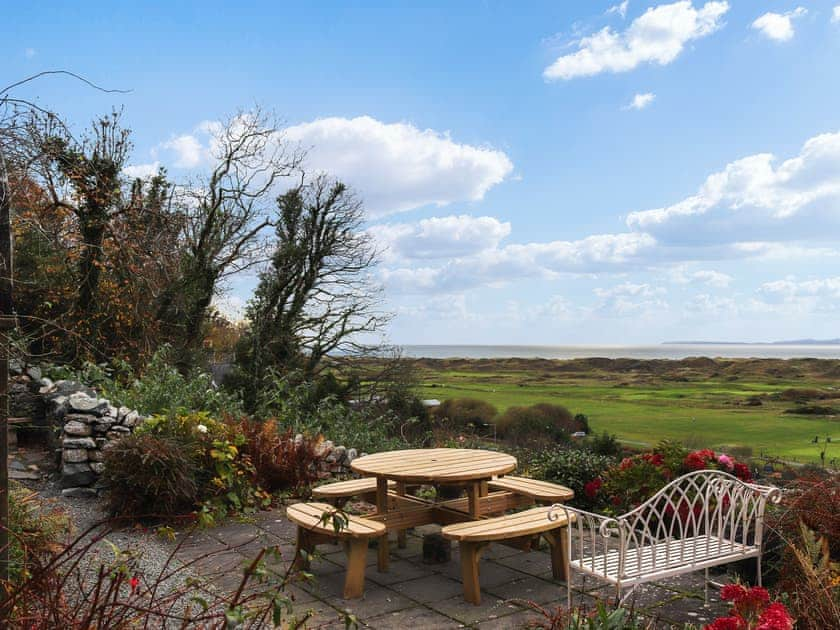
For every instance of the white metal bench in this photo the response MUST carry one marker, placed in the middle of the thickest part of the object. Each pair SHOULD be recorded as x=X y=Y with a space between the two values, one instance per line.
x=702 y=519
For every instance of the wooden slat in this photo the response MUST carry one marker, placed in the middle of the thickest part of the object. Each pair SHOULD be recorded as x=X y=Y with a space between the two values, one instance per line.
x=436 y=465
x=309 y=515
x=351 y=488
x=533 y=521
x=534 y=488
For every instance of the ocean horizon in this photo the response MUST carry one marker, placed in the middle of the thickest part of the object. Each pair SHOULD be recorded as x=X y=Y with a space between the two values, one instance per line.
x=660 y=351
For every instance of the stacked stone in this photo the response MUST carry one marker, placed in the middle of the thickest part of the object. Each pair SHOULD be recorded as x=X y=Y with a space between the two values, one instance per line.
x=335 y=460
x=89 y=424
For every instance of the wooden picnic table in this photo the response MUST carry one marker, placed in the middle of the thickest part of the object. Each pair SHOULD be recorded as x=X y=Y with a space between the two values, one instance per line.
x=472 y=468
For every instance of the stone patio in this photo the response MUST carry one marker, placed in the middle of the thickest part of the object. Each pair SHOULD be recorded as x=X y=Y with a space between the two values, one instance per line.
x=417 y=595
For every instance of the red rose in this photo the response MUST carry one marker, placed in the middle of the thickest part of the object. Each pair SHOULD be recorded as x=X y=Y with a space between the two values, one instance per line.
x=695 y=461
x=591 y=489
x=626 y=463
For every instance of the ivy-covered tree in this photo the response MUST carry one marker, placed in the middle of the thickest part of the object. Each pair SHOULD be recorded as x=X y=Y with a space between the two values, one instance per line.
x=317 y=297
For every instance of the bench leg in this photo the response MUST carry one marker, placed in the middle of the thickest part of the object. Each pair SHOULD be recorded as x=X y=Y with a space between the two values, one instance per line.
x=470 y=555
x=303 y=549
x=354 y=580
x=558 y=540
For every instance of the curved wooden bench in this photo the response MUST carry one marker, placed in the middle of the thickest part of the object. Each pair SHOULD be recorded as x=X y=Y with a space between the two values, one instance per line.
x=540 y=491
x=342 y=490
x=474 y=536
x=314 y=529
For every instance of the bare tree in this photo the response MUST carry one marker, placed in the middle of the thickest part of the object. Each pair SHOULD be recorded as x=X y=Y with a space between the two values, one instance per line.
x=223 y=218
x=318 y=295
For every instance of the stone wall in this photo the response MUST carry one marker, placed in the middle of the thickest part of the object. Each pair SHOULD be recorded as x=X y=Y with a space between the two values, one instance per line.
x=84 y=427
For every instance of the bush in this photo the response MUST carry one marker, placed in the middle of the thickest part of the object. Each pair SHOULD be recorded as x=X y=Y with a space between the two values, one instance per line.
x=575 y=469
x=280 y=462
x=34 y=530
x=539 y=424
x=605 y=444
x=466 y=414
x=151 y=475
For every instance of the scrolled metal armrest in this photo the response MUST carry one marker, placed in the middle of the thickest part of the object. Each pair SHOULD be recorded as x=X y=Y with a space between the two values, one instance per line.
x=606 y=526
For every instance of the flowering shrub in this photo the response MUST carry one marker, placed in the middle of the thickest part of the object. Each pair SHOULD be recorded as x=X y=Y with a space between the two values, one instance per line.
x=751 y=610
x=582 y=471
x=634 y=479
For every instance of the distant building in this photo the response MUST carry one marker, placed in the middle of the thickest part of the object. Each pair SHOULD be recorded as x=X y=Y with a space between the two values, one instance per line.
x=431 y=402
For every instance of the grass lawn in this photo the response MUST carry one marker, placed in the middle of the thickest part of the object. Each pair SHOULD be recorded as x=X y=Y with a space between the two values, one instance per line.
x=641 y=410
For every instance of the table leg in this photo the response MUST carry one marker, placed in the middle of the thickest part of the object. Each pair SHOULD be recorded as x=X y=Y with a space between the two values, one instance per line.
x=401 y=539
x=474 y=496
x=382 y=508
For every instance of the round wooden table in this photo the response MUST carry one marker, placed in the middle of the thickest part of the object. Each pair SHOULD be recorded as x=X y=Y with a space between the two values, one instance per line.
x=470 y=467
x=435 y=465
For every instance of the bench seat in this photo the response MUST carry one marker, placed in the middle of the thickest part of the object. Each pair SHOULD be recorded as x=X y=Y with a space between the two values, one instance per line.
x=346 y=489
x=540 y=491
x=474 y=536
x=313 y=530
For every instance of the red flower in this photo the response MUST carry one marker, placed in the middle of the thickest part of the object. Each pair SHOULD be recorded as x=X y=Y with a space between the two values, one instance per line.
x=742 y=472
x=775 y=617
x=733 y=593
x=134 y=582
x=591 y=488
x=626 y=463
x=695 y=461
x=654 y=458
x=727 y=623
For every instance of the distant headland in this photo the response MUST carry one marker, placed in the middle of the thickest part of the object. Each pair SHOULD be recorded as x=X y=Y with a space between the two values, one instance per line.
x=793 y=342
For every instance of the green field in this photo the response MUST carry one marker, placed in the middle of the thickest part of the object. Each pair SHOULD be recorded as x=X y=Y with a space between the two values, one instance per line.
x=701 y=405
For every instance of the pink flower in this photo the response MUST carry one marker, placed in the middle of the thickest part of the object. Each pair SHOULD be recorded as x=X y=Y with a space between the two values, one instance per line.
x=725 y=460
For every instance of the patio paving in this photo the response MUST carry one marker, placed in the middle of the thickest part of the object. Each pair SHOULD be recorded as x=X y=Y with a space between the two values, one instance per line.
x=417 y=595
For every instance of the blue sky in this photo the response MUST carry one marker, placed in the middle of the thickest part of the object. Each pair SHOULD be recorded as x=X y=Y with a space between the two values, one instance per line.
x=542 y=172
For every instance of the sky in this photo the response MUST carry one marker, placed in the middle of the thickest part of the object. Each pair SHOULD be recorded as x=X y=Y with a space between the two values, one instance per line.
x=566 y=172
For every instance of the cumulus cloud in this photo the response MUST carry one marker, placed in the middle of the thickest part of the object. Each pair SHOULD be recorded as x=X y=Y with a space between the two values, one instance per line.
x=757 y=199
x=835 y=15
x=658 y=36
x=188 y=150
x=640 y=101
x=629 y=298
x=791 y=288
x=778 y=26
x=397 y=166
x=619 y=9
x=706 y=277
x=440 y=237
x=141 y=171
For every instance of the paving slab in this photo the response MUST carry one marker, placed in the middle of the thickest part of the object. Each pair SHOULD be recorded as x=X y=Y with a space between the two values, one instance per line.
x=469 y=614
x=398 y=571
x=411 y=618
x=529 y=589
x=375 y=602
x=429 y=589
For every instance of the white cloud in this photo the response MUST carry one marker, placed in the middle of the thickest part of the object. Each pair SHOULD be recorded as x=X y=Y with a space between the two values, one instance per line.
x=657 y=36
x=778 y=26
x=835 y=15
x=189 y=151
x=232 y=307
x=618 y=9
x=757 y=200
x=629 y=298
x=707 y=277
x=440 y=237
x=640 y=101
x=141 y=171
x=828 y=288
x=397 y=166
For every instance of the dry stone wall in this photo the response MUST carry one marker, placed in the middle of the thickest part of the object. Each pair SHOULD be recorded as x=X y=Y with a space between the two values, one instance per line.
x=85 y=425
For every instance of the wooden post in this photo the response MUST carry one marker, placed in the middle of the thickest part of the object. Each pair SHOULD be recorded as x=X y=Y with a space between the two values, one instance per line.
x=382 y=508
x=6 y=325
x=401 y=538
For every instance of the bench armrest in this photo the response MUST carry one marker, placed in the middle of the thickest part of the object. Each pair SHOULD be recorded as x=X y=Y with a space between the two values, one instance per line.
x=606 y=525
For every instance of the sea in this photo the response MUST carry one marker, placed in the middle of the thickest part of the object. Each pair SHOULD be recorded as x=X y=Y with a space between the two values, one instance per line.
x=661 y=351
